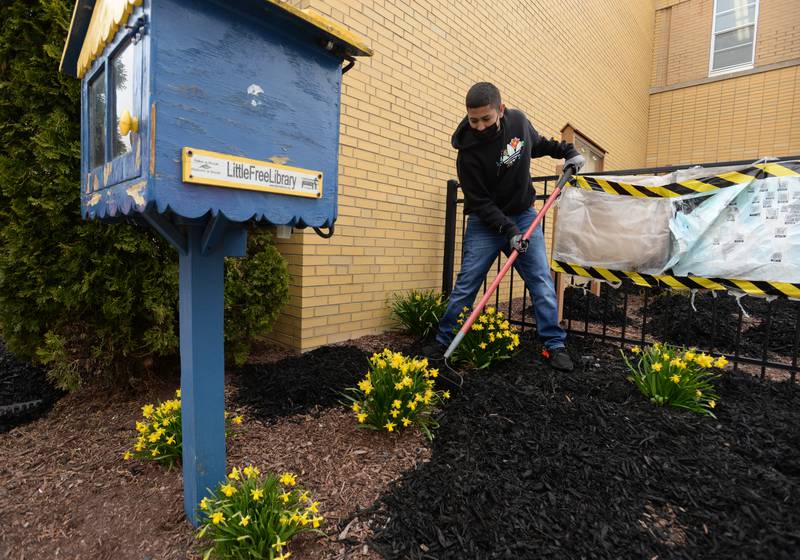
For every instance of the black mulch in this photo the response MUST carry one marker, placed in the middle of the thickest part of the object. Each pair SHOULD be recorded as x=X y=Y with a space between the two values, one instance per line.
x=300 y=383
x=671 y=318
x=583 y=305
x=529 y=463
x=782 y=332
x=25 y=392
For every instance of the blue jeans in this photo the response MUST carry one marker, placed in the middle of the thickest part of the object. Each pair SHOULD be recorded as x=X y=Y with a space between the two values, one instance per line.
x=480 y=249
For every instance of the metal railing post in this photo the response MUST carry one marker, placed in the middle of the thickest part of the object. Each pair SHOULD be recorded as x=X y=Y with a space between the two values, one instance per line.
x=448 y=261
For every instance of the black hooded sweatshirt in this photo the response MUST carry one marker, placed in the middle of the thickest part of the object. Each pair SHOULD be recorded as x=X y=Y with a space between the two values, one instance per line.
x=495 y=172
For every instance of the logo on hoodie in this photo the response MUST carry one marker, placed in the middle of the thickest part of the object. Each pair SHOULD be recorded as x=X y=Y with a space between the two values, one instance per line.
x=511 y=152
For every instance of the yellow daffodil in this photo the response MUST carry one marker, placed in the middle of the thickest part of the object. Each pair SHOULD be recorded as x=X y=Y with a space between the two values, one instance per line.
x=279 y=544
x=155 y=452
x=171 y=440
x=675 y=378
x=482 y=345
x=397 y=403
x=147 y=410
x=356 y=407
x=712 y=404
x=250 y=471
x=395 y=413
x=721 y=362
x=217 y=518
x=245 y=520
x=127 y=456
x=139 y=446
x=283 y=556
x=178 y=393
x=228 y=490
x=665 y=356
x=256 y=494
x=285 y=497
x=313 y=507
x=204 y=504
x=237 y=420
x=389 y=426
x=698 y=393
x=411 y=405
x=361 y=417
x=446 y=394
x=288 y=479
x=657 y=366
x=406 y=421
x=689 y=356
x=315 y=522
x=365 y=386
x=433 y=372
x=234 y=474
x=141 y=427
x=636 y=349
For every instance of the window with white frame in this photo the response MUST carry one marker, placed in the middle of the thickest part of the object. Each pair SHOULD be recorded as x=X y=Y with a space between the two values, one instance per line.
x=734 y=35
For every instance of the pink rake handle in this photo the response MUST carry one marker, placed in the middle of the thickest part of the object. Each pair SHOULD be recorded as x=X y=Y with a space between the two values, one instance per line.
x=509 y=263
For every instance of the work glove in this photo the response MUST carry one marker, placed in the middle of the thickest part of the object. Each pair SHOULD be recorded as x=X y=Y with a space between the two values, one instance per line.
x=518 y=243
x=576 y=162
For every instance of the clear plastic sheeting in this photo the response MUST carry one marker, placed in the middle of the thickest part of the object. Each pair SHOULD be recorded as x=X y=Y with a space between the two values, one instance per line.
x=748 y=232
x=745 y=231
x=615 y=232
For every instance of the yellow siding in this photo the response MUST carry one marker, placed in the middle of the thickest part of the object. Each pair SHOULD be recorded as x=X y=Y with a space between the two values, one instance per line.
x=740 y=118
x=590 y=67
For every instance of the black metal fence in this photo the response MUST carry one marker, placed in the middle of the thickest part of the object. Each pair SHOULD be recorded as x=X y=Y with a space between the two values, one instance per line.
x=757 y=335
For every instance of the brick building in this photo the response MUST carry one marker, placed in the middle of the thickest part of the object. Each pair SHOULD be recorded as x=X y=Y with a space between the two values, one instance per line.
x=632 y=83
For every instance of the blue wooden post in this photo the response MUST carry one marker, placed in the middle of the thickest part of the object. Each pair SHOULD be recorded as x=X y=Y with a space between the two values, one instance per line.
x=202 y=369
x=202 y=283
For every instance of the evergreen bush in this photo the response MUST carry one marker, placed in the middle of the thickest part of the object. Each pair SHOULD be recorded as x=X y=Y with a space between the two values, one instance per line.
x=91 y=301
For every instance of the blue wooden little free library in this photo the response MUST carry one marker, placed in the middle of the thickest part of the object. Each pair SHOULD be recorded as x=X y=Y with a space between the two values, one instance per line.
x=200 y=117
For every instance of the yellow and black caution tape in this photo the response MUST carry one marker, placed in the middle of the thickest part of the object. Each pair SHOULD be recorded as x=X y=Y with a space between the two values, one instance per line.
x=691 y=186
x=750 y=287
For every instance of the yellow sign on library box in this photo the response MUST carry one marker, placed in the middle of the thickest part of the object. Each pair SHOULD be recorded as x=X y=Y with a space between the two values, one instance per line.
x=222 y=170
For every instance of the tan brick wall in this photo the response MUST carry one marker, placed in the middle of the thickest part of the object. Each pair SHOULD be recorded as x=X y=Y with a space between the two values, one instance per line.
x=739 y=118
x=682 y=42
x=778 y=34
x=590 y=67
x=683 y=38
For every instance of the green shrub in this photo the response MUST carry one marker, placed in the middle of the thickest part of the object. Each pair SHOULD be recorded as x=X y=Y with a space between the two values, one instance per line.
x=256 y=288
x=90 y=301
x=250 y=516
x=160 y=432
x=418 y=312
x=490 y=339
x=674 y=376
